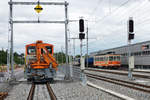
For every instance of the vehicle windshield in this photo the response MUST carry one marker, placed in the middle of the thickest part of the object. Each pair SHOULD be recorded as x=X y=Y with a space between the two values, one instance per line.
x=31 y=50
x=49 y=49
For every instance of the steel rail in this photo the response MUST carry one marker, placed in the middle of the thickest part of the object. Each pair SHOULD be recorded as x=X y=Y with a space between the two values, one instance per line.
x=119 y=73
x=141 y=71
x=133 y=86
x=51 y=93
x=137 y=84
x=31 y=93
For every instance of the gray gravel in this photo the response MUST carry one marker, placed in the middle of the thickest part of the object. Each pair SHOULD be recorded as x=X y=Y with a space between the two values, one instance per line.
x=123 y=90
x=41 y=92
x=19 y=92
x=64 y=90
x=75 y=91
x=5 y=86
x=122 y=77
x=124 y=71
x=138 y=95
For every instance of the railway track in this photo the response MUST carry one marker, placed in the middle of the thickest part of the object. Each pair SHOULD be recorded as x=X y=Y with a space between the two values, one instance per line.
x=142 y=71
x=50 y=92
x=120 y=73
x=136 y=86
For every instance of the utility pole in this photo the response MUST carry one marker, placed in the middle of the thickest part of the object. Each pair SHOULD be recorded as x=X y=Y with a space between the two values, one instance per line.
x=74 y=50
x=87 y=47
x=62 y=55
x=11 y=39
x=82 y=59
x=8 y=54
x=66 y=31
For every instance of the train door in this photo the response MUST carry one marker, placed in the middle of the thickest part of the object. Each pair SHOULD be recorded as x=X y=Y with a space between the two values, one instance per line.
x=95 y=61
x=110 y=62
x=106 y=59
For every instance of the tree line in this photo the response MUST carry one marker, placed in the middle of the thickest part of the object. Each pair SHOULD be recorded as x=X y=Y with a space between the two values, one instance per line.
x=18 y=58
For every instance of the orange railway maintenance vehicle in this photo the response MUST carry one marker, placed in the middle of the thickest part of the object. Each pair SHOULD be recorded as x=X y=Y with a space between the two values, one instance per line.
x=40 y=65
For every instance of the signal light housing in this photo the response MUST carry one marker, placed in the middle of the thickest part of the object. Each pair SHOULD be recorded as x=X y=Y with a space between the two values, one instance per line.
x=81 y=25
x=131 y=25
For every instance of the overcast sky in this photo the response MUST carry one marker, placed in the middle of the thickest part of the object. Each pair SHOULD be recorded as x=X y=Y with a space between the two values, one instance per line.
x=107 y=22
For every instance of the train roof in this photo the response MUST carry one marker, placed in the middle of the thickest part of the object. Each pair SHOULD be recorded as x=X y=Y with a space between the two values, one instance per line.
x=109 y=55
x=140 y=43
x=33 y=44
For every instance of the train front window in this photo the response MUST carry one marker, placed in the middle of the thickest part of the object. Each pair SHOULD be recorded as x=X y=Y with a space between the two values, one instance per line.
x=49 y=49
x=110 y=58
x=106 y=58
x=96 y=58
x=115 y=58
x=31 y=50
x=118 y=58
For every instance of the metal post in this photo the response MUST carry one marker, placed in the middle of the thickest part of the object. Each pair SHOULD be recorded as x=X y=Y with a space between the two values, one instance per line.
x=66 y=31
x=129 y=52
x=74 y=51
x=8 y=54
x=87 y=49
x=62 y=54
x=80 y=48
x=66 y=41
x=11 y=31
x=82 y=66
x=70 y=62
x=8 y=61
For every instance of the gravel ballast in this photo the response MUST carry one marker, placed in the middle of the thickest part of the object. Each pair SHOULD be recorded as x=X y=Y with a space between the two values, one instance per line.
x=122 y=77
x=75 y=91
x=137 y=95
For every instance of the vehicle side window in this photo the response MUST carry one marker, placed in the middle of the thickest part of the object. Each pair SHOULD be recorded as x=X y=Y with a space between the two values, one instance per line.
x=114 y=58
x=110 y=58
x=106 y=58
x=101 y=58
x=118 y=58
x=97 y=58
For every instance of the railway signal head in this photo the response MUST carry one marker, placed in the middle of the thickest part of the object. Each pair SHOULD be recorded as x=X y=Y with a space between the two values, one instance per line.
x=130 y=29
x=131 y=25
x=81 y=25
